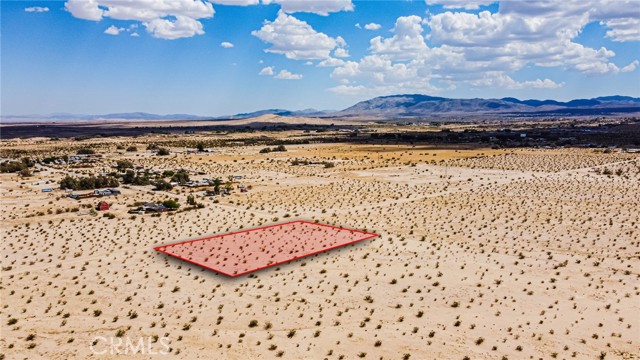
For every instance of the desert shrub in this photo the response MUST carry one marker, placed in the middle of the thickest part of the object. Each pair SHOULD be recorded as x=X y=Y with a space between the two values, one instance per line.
x=181 y=176
x=171 y=204
x=85 y=151
x=122 y=165
x=162 y=185
x=279 y=148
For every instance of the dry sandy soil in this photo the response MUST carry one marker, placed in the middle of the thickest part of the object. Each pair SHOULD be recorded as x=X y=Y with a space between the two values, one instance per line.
x=482 y=254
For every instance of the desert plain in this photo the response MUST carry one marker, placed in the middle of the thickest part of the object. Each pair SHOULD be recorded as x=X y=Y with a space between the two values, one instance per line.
x=482 y=253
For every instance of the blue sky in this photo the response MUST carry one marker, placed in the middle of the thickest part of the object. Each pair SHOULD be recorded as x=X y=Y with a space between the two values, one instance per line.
x=229 y=56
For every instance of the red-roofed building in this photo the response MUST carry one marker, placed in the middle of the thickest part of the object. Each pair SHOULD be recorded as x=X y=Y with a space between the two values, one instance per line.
x=102 y=206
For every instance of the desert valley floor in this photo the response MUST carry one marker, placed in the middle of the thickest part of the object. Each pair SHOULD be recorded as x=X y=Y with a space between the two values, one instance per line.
x=482 y=254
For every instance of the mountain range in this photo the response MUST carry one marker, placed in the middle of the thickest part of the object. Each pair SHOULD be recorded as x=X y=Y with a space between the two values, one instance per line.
x=398 y=106
x=416 y=105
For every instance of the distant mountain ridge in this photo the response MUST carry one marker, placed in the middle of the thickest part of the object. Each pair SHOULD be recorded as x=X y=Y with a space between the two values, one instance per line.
x=279 y=112
x=115 y=116
x=149 y=116
x=396 y=106
x=417 y=105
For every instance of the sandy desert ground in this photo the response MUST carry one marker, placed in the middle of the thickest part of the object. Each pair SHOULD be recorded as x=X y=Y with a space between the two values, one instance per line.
x=482 y=254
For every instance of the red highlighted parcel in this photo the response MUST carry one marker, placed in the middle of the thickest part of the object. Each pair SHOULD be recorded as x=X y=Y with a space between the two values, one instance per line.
x=238 y=253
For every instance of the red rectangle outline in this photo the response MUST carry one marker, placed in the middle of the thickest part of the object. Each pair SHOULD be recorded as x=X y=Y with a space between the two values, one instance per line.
x=369 y=236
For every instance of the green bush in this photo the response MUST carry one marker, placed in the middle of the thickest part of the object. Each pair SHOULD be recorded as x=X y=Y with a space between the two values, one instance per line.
x=181 y=176
x=171 y=204
x=162 y=185
x=85 y=151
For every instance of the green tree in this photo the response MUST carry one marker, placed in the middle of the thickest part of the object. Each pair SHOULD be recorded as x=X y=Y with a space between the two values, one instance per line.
x=171 y=204
x=129 y=177
x=68 y=183
x=12 y=166
x=181 y=176
x=142 y=179
x=28 y=162
x=228 y=186
x=122 y=165
x=168 y=173
x=191 y=200
x=162 y=185
x=88 y=183
x=216 y=185
x=200 y=147
x=163 y=151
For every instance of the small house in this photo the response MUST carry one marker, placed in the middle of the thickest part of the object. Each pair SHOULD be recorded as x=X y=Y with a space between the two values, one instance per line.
x=102 y=206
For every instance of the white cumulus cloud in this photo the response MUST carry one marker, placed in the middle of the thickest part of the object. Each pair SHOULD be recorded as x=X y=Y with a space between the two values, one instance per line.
x=372 y=26
x=459 y=48
x=321 y=7
x=624 y=29
x=181 y=27
x=407 y=42
x=341 y=53
x=286 y=75
x=266 y=71
x=84 y=9
x=113 y=30
x=460 y=4
x=36 y=9
x=631 y=67
x=236 y=2
x=165 y=19
x=226 y=44
x=296 y=39
x=331 y=62
x=500 y=80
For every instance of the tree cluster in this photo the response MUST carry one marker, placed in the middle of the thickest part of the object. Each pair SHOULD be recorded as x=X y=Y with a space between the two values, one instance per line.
x=16 y=166
x=88 y=183
x=274 y=149
x=181 y=176
x=162 y=185
x=130 y=177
